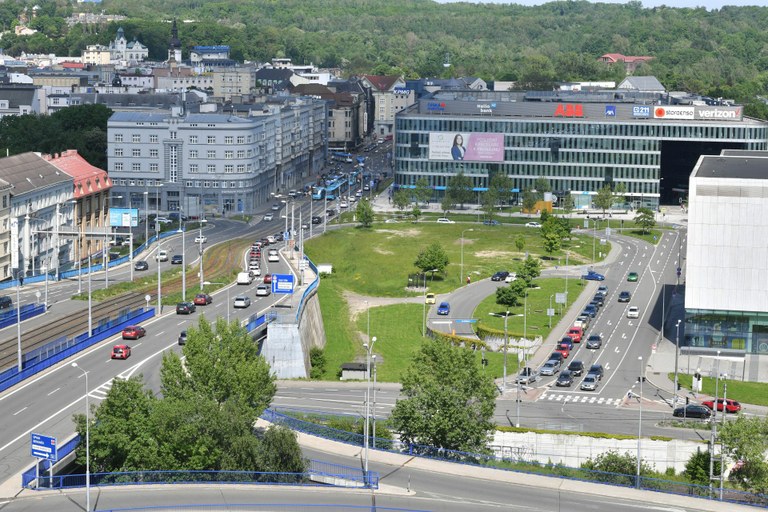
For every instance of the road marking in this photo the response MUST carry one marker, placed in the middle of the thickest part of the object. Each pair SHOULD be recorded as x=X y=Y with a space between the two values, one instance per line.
x=616 y=350
x=623 y=335
x=159 y=334
x=20 y=411
x=136 y=345
x=52 y=392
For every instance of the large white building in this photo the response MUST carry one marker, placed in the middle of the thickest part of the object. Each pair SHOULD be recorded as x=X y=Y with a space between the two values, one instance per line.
x=726 y=288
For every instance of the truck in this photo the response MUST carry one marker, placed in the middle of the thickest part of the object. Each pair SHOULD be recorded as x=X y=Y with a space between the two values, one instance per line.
x=244 y=278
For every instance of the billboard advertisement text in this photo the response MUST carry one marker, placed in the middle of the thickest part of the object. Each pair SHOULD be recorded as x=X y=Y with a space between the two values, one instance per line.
x=473 y=147
x=123 y=217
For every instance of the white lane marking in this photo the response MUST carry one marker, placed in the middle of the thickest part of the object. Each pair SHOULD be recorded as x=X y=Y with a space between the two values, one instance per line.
x=159 y=334
x=20 y=411
x=52 y=392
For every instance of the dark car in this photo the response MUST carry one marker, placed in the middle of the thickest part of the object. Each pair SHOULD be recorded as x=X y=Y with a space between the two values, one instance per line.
x=500 y=275
x=566 y=340
x=625 y=296
x=183 y=338
x=133 y=332
x=594 y=341
x=444 y=309
x=177 y=259
x=556 y=356
x=598 y=299
x=491 y=222
x=597 y=369
x=316 y=219
x=591 y=311
x=565 y=379
x=692 y=411
x=5 y=302
x=203 y=299
x=141 y=265
x=185 y=308
x=593 y=276
x=576 y=367
x=597 y=304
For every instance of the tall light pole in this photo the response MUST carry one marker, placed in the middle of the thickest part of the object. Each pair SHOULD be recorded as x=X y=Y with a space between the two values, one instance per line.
x=369 y=350
x=90 y=300
x=713 y=433
x=506 y=342
x=461 y=276
x=424 y=316
x=677 y=353
x=159 y=286
x=368 y=312
x=87 y=442
x=373 y=414
x=146 y=216
x=18 y=318
x=183 y=258
x=201 y=251
x=640 y=421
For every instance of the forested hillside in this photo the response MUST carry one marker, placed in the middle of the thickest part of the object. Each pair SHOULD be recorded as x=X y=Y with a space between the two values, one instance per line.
x=721 y=52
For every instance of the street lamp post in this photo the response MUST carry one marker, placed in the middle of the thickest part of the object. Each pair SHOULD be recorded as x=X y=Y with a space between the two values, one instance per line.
x=506 y=343
x=183 y=258
x=18 y=318
x=640 y=421
x=424 y=316
x=90 y=300
x=461 y=276
x=201 y=251
x=677 y=353
x=159 y=286
x=369 y=350
x=713 y=433
x=87 y=442
x=373 y=413
x=146 y=217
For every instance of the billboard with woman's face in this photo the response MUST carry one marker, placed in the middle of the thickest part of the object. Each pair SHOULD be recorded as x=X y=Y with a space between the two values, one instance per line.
x=473 y=147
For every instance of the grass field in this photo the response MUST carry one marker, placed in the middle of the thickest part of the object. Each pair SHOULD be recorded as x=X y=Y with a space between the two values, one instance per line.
x=748 y=392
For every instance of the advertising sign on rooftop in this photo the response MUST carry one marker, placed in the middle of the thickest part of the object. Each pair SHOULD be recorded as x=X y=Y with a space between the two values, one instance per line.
x=673 y=112
x=473 y=147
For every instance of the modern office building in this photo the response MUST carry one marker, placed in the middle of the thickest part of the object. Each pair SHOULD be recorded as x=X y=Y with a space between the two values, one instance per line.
x=227 y=163
x=579 y=141
x=726 y=285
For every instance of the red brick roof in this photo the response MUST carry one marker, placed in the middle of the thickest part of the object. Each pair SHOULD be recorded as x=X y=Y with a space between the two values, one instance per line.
x=381 y=82
x=73 y=65
x=88 y=179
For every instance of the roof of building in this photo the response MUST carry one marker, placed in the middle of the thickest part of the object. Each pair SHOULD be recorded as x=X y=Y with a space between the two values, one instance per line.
x=616 y=57
x=734 y=167
x=641 y=83
x=211 y=49
x=88 y=179
x=18 y=94
x=29 y=171
x=382 y=82
x=273 y=74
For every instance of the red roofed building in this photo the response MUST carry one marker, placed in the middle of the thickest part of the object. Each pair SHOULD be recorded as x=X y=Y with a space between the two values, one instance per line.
x=91 y=195
x=630 y=63
x=389 y=97
x=72 y=65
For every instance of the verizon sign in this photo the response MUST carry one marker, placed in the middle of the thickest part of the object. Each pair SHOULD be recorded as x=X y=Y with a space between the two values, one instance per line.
x=673 y=112
x=719 y=113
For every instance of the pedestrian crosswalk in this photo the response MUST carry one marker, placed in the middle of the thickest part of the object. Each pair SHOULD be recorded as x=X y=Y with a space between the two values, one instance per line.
x=581 y=399
x=100 y=393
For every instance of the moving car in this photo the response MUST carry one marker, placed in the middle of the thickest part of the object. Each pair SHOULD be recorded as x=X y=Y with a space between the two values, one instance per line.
x=201 y=239
x=594 y=341
x=597 y=369
x=429 y=298
x=182 y=338
x=591 y=311
x=273 y=256
x=262 y=290
x=444 y=309
x=242 y=302
x=275 y=207
x=565 y=379
x=267 y=278
x=526 y=376
x=625 y=296
x=316 y=219
x=254 y=268
x=532 y=224
x=501 y=275
x=177 y=259
x=575 y=333
x=567 y=341
x=185 y=308
x=202 y=299
x=564 y=350
x=443 y=220
x=598 y=300
x=731 y=406
x=162 y=255
x=141 y=265
x=589 y=383
x=121 y=352
x=133 y=332
x=633 y=312
x=556 y=356
x=576 y=367
x=632 y=277
x=602 y=290
x=343 y=204
x=244 y=278
x=692 y=411
x=268 y=217
x=550 y=368
x=490 y=222
x=163 y=220
x=593 y=276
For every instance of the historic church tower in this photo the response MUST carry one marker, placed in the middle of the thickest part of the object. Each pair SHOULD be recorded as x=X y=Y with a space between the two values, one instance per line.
x=174 y=47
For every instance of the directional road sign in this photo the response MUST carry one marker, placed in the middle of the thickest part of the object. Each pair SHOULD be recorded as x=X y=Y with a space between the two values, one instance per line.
x=282 y=283
x=466 y=321
x=44 y=447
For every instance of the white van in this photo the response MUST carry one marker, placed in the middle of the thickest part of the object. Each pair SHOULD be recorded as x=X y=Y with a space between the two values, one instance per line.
x=162 y=255
x=244 y=278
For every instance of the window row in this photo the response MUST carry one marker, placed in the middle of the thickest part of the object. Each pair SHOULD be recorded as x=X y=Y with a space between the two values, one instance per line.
x=193 y=139
x=228 y=169
x=188 y=184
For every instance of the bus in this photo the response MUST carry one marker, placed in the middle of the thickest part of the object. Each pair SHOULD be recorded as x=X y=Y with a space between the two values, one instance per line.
x=318 y=193
x=342 y=157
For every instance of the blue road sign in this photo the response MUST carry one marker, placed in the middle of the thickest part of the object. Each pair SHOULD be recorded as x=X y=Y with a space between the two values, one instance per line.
x=44 y=447
x=286 y=235
x=466 y=321
x=282 y=283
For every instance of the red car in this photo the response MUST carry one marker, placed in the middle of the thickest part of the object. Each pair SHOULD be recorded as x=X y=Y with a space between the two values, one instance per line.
x=731 y=406
x=575 y=333
x=203 y=299
x=267 y=278
x=564 y=350
x=121 y=352
x=133 y=332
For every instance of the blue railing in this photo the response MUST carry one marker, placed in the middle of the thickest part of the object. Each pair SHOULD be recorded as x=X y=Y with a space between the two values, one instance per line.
x=8 y=317
x=309 y=291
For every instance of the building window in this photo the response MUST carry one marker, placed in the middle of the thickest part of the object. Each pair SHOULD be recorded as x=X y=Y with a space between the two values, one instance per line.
x=211 y=169
x=153 y=153
x=229 y=155
x=232 y=184
x=241 y=154
x=118 y=137
x=136 y=138
x=118 y=151
x=211 y=154
x=193 y=153
x=136 y=167
x=193 y=139
x=135 y=152
x=173 y=135
x=207 y=184
x=229 y=168
x=153 y=139
x=118 y=166
x=193 y=168
x=211 y=139
x=240 y=139
x=240 y=168
x=153 y=167
x=229 y=139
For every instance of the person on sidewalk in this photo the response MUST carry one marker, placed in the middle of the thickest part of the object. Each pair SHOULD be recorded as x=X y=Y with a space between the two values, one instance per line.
x=469 y=279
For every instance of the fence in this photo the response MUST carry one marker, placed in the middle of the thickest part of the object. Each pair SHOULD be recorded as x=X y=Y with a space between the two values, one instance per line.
x=8 y=318
x=29 y=475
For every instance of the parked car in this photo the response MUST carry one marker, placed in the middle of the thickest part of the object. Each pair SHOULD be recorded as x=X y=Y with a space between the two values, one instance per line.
x=602 y=290
x=625 y=296
x=133 y=332
x=141 y=265
x=511 y=277
x=177 y=259
x=121 y=352
x=551 y=367
x=163 y=220
x=591 y=311
x=526 y=376
x=692 y=411
x=182 y=338
x=632 y=277
x=594 y=341
x=242 y=302
x=501 y=275
x=633 y=312
x=532 y=224
x=201 y=239
x=262 y=290
x=443 y=220
x=589 y=383
x=202 y=299
x=444 y=309
x=593 y=276
x=429 y=298
x=565 y=379
x=731 y=406
x=597 y=369
x=598 y=300
x=576 y=367
x=582 y=321
x=556 y=356
x=185 y=308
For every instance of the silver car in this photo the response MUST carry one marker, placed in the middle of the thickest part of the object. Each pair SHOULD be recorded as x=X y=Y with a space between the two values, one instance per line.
x=242 y=302
x=589 y=383
x=526 y=376
x=551 y=367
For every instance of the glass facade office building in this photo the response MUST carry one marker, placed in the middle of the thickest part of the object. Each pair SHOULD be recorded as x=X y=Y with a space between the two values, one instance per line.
x=579 y=146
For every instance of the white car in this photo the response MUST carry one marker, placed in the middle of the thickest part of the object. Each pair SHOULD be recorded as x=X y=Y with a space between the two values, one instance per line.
x=532 y=224
x=443 y=220
x=242 y=302
x=633 y=312
x=262 y=290
x=162 y=255
x=273 y=256
x=254 y=269
x=201 y=239
x=511 y=277
x=268 y=217
x=163 y=220
x=343 y=204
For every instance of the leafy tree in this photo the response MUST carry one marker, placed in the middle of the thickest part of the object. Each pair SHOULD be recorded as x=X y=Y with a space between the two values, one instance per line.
x=512 y=295
x=520 y=243
x=541 y=185
x=280 y=451
x=604 y=198
x=529 y=201
x=490 y=200
x=448 y=401
x=364 y=213
x=459 y=189
x=567 y=204
x=620 y=191
x=697 y=467
x=645 y=219
x=416 y=213
x=529 y=270
x=616 y=468
x=446 y=204
x=401 y=199
x=502 y=185
x=422 y=192
x=746 y=440
x=432 y=257
x=552 y=241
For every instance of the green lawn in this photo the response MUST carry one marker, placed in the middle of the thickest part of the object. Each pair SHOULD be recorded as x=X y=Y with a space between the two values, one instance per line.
x=755 y=393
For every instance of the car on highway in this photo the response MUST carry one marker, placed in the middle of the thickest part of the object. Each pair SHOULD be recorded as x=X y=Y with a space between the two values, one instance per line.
x=162 y=220
x=501 y=275
x=563 y=350
x=162 y=255
x=429 y=298
x=597 y=369
x=177 y=259
x=242 y=302
x=267 y=279
x=254 y=268
x=598 y=300
x=632 y=277
x=575 y=333
x=443 y=220
x=141 y=265
x=625 y=296
x=590 y=310
x=602 y=290
x=444 y=309
x=185 y=308
x=316 y=219
x=593 y=276
x=576 y=367
x=5 y=302
x=262 y=290
x=589 y=383
x=633 y=312
x=567 y=341
x=273 y=256
x=533 y=224
x=526 y=376
x=268 y=217
x=731 y=406
x=549 y=368
x=582 y=321
x=556 y=356
x=275 y=207
x=121 y=352
x=490 y=222
x=343 y=204
x=134 y=332
x=202 y=299
x=182 y=338
x=692 y=411
x=565 y=379
x=594 y=341
x=201 y=239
